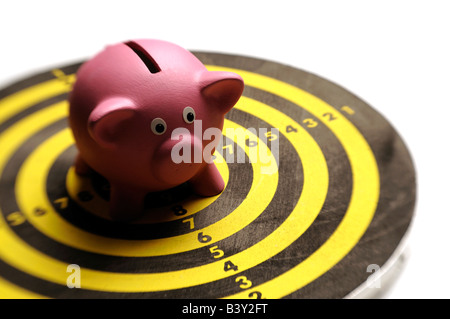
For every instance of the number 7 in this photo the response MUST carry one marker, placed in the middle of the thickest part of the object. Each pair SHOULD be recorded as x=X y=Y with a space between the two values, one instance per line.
x=190 y=221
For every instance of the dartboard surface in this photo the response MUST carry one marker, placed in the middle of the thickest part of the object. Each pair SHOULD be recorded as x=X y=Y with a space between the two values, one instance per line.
x=330 y=205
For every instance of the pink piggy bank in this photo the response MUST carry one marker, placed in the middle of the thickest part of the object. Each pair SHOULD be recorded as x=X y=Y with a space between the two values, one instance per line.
x=133 y=104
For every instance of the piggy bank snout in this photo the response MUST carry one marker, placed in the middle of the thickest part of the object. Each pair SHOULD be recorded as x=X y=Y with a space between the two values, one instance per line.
x=178 y=159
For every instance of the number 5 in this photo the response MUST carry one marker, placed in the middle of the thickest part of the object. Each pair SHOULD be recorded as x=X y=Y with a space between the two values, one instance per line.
x=217 y=253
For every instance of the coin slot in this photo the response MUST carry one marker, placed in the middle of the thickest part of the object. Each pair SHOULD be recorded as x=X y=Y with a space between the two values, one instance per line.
x=151 y=65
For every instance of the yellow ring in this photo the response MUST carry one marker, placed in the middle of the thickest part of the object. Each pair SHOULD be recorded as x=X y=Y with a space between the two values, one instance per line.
x=30 y=194
x=53 y=270
x=364 y=198
x=11 y=291
x=99 y=206
x=344 y=231
x=19 y=101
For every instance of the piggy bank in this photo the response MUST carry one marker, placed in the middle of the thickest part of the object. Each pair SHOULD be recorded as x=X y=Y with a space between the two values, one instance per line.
x=138 y=113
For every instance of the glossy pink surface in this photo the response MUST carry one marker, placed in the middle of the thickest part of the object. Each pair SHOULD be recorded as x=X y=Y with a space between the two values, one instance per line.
x=116 y=107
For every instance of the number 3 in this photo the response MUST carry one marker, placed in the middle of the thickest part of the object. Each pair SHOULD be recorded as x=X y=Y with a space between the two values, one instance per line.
x=245 y=283
x=310 y=123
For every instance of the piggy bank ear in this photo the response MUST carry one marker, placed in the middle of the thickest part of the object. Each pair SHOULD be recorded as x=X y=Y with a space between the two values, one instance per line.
x=223 y=89
x=107 y=118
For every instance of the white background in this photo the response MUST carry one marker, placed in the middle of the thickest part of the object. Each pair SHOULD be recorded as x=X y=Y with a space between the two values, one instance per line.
x=393 y=54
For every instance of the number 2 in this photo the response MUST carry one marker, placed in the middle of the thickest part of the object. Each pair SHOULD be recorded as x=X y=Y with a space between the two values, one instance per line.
x=255 y=295
x=330 y=116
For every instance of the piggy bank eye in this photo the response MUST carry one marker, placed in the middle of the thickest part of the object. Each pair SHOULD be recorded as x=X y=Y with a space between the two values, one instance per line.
x=188 y=114
x=159 y=126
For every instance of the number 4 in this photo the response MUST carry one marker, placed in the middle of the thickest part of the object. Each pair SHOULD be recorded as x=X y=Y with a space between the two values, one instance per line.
x=290 y=129
x=229 y=266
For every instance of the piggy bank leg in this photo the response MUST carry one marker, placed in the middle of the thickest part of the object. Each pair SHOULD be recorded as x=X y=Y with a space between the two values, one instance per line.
x=126 y=203
x=208 y=182
x=81 y=167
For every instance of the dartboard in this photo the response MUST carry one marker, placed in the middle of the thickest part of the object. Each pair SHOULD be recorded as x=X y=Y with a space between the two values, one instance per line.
x=326 y=212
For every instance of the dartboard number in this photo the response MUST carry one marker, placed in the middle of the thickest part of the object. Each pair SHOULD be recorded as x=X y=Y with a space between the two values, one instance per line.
x=39 y=211
x=228 y=148
x=329 y=116
x=216 y=252
x=270 y=136
x=310 y=123
x=228 y=265
x=250 y=143
x=203 y=238
x=16 y=218
x=347 y=109
x=66 y=79
x=190 y=221
x=290 y=129
x=179 y=210
x=244 y=282
x=63 y=202
x=255 y=295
